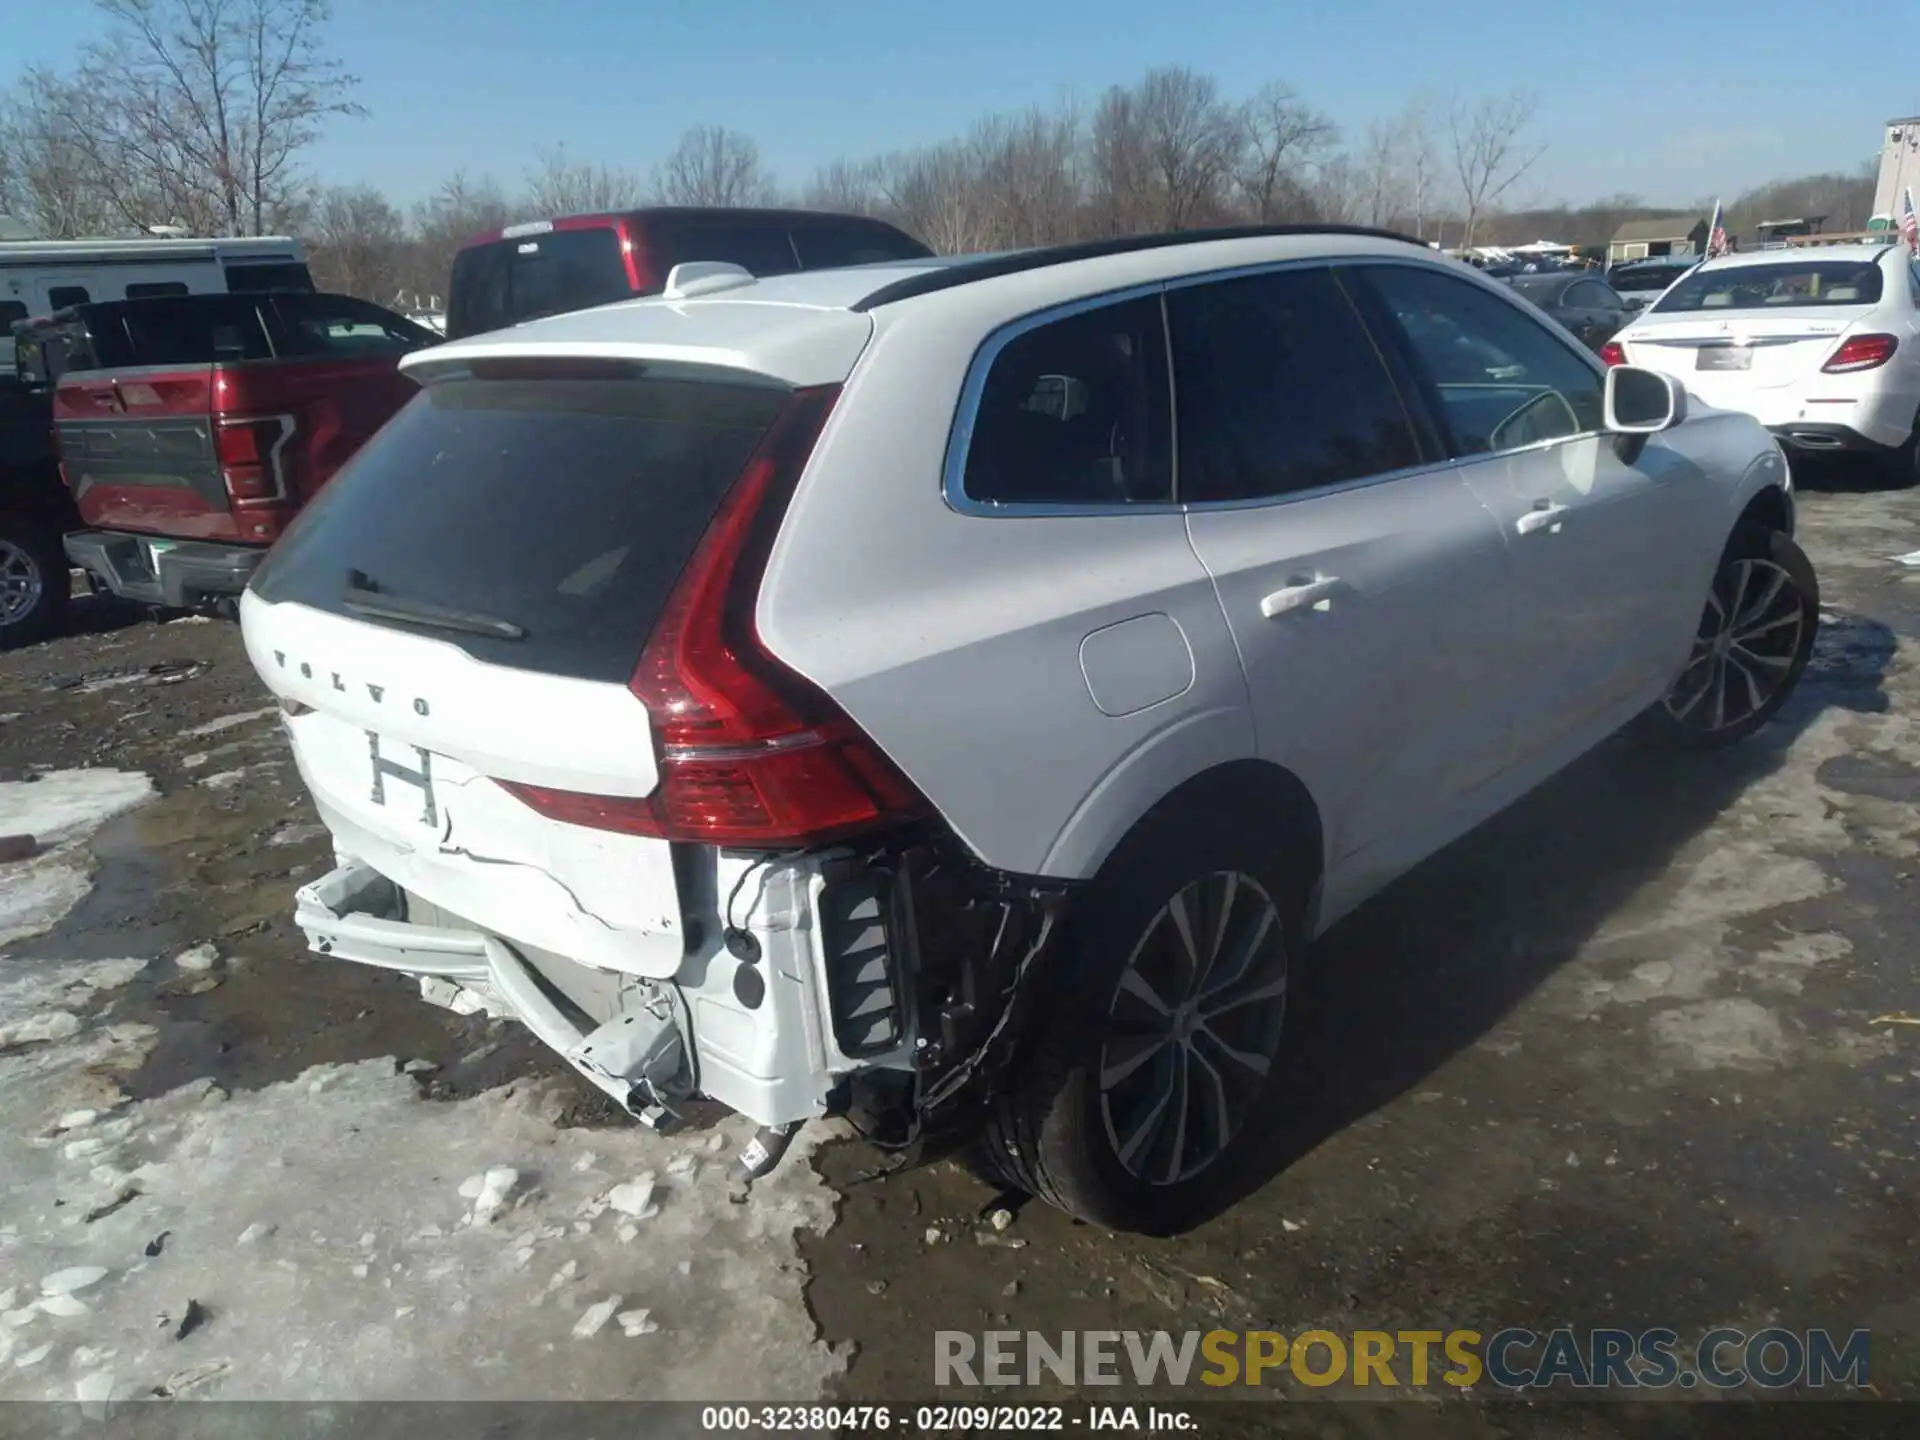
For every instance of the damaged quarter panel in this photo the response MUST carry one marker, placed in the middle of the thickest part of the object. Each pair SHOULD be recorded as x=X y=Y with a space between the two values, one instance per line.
x=965 y=663
x=395 y=735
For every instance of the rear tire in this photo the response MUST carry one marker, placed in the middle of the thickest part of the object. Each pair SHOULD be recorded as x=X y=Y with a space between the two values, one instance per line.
x=1159 y=1038
x=35 y=583
x=1755 y=638
x=1903 y=465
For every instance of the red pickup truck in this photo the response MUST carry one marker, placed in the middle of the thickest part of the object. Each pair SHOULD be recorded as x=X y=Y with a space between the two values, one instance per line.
x=192 y=428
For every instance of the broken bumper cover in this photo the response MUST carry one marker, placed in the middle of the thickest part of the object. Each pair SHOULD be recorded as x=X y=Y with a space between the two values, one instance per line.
x=349 y=914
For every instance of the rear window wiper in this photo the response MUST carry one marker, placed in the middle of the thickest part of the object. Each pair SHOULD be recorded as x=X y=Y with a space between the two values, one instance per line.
x=363 y=596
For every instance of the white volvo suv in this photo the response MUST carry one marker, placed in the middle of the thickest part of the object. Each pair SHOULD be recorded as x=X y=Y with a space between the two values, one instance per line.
x=1822 y=346
x=957 y=690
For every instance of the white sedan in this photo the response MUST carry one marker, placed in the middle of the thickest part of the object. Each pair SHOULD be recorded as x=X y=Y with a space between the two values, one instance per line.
x=1821 y=346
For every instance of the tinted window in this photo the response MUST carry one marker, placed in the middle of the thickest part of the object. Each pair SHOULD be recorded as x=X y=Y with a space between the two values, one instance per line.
x=1501 y=378
x=1588 y=295
x=202 y=330
x=61 y=296
x=1764 y=286
x=10 y=311
x=252 y=277
x=761 y=248
x=823 y=247
x=505 y=282
x=338 y=326
x=1075 y=412
x=567 y=507
x=1280 y=388
x=149 y=289
x=1645 y=279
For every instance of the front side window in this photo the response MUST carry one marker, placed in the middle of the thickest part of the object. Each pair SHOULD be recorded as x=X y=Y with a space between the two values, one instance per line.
x=1076 y=412
x=1766 y=286
x=1280 y=389
x=342 y=328
x=1502 y=379
x=61 y=296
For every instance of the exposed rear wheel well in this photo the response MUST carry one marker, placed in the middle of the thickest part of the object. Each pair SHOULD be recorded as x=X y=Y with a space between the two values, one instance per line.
x=1258 y=795
x=1769 y=510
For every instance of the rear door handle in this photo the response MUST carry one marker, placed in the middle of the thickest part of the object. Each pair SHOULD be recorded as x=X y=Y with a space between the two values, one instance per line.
x=1299 y=597
x=1545 y=515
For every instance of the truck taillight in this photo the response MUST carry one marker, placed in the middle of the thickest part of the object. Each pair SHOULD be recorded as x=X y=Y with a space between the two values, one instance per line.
x=750 y=753
x=249 y=450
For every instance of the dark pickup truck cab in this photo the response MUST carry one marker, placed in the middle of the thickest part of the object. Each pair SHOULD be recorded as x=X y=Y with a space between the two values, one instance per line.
x=35 y=509
x=192 y=428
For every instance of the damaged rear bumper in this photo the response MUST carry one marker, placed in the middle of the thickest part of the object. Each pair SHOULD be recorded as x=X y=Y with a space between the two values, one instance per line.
x=896 y=982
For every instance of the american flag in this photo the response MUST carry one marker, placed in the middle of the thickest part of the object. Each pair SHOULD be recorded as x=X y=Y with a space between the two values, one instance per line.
x=1717 y=233
x=1909 y=225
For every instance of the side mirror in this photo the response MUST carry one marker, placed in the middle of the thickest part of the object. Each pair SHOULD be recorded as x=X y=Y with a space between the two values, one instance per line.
x=1643 y=402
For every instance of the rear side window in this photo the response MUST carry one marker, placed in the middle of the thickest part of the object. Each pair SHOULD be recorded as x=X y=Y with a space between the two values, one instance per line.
x=506 y=282
x=254 y=277
x=826 y=247
x=202 y=330
x=150 y=289
x=759 y=248
x=61 y=296
x=1280 y=389
x=1076 y=412
x=566 y=507
x=1764 y=286
x=343 y=328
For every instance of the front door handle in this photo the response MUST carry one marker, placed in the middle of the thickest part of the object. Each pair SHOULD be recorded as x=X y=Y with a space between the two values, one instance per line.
x=1545 y=515
x=1299 y=597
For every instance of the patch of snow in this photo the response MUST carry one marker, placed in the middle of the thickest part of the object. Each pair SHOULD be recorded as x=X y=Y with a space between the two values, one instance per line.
x=228 y=722
x=637 y=1322
x=200 y=957
x=488 y=1191
x=635 y=1198
x=72 y=1279
x=60 y=809
x=595 y=1317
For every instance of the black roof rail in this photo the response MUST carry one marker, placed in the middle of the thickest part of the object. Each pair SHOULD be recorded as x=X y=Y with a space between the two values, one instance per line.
x=988 y=267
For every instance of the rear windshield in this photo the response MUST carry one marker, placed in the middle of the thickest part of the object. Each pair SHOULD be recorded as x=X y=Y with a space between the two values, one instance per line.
x=756 y=246
x=341 y=328
x=826 y=247
x=1638 y=282
x=1759 y=287
x=505 y=282
x=564 y=507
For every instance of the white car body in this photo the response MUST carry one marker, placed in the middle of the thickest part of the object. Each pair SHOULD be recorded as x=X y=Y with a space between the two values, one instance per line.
x=1376 y=665
x=1739 y=311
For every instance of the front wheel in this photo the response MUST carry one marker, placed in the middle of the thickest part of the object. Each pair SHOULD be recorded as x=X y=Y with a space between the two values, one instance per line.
x=35 y=583
x=1755 y=638
x=1142 y=1079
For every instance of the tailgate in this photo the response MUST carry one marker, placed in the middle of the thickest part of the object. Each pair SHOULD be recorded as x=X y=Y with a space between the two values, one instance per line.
x=138 y=451
x=397 y=736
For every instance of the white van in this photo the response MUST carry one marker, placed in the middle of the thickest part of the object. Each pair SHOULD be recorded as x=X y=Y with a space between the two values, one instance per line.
x=38 y=277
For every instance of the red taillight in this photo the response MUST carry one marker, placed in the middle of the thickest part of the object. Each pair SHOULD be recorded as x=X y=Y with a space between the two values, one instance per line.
x=248 y=450
x=751 y=754
x=1861 y=352
x=1612 y=353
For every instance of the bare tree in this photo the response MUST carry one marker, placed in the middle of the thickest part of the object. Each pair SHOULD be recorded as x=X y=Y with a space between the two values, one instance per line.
x=846 y=185
x=1193 y=144
x=712 y=165
x=1490 y=151
x=46 y=180
x=1117 y=166
x=1283 y=138
x=558 y=187
x=1025 y=172
x=198 y=111
x=359 y=243
x=936 y=194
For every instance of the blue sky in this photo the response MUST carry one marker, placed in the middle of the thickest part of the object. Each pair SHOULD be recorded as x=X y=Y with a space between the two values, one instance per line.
x=1673 y=102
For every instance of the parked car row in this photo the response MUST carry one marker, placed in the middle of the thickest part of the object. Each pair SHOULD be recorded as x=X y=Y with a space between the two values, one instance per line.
x=175 y=403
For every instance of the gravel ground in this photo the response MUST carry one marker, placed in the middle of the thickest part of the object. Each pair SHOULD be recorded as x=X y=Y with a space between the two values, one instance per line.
x=1621 y=1057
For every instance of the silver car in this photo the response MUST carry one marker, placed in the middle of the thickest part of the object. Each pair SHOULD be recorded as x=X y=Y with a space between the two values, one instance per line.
x=956 y=691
